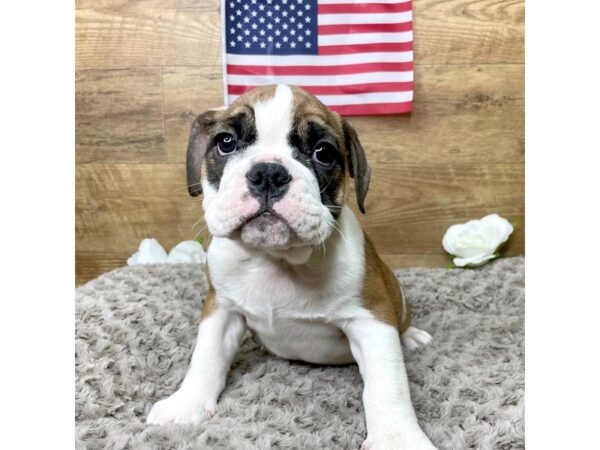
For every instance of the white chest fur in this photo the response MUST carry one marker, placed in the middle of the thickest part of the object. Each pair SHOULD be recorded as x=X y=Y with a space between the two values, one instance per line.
x=294 y=308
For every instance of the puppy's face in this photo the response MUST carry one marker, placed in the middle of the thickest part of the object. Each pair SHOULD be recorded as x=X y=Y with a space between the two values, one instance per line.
x=273 y=168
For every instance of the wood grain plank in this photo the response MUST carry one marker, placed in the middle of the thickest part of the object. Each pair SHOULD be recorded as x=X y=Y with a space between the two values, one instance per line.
x=409 y=207
x=91 y=265
x=119 y=116
x=119 y=34
x=462 y=114
x=461 y=32
x=117 y=205
x=188 y=91
x=426 y=236
x=196 y=5
x=408 y=261
x=147 y=37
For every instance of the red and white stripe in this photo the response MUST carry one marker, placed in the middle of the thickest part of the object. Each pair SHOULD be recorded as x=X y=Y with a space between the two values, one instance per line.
x=364 y=65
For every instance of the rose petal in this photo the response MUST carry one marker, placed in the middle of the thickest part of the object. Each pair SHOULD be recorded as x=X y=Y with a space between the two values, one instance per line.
x=449 y=239
x=187 y=252
x=150 y=252
x=502 y=227
x=475 y=261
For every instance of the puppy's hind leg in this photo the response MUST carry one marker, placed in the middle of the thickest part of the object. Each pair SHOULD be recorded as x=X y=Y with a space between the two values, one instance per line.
x=414 y=338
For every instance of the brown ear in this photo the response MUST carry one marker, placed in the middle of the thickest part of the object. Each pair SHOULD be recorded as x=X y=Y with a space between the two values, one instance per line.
x=197 y=146
x=359 y=167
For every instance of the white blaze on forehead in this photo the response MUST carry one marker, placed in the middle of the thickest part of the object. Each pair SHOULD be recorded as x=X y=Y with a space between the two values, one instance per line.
x=274 y=119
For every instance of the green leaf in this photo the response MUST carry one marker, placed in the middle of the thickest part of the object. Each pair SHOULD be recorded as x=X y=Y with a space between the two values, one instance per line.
x=200 y=240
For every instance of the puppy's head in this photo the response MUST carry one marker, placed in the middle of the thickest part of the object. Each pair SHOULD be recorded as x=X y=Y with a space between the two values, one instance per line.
x=273 y=168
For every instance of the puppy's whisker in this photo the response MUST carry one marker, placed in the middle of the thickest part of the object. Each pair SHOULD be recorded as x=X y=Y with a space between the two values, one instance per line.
x=185 y=188
x=322 y=240
x=328 y=183
x=333 y=206
x=200 y=232
x=195 y=225
x=341 y=234
x=197 y=222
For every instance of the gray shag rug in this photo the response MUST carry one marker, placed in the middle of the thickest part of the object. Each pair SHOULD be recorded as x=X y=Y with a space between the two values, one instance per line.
x=136 y=327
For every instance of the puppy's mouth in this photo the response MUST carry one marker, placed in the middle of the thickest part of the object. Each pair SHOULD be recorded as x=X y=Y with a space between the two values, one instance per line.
x=266 y=229
x=266 y=214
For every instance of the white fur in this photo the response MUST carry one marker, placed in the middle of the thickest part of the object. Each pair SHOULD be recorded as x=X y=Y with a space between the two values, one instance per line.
x=274 y=121
x=294 y=308
x=303 y=301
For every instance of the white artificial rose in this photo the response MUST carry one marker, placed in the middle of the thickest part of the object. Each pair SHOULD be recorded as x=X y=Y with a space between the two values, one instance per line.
x=475 y=242
x=150 y=252
x=187 y=252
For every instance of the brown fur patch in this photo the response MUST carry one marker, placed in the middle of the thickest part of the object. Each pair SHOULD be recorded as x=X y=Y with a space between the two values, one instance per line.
x=210 y=302
x=307 y=108
x=381 y=292
x=308 y=111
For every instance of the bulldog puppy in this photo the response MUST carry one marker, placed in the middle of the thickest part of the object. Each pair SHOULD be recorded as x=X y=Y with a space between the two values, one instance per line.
x=290 y=262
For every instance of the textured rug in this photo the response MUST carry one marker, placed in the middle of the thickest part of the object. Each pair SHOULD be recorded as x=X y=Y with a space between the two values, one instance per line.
x=136 y=326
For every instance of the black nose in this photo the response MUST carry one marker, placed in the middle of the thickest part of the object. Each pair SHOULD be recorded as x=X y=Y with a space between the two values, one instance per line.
x=268 y=181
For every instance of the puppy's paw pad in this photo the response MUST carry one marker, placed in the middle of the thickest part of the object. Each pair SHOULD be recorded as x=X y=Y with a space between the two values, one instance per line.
x=414 y=338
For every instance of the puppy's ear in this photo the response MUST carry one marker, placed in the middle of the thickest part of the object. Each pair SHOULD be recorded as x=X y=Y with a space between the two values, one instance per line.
x=359 y=167
x=196 y=150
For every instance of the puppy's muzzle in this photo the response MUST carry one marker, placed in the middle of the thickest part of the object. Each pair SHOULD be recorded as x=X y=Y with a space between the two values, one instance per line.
x=268 y=182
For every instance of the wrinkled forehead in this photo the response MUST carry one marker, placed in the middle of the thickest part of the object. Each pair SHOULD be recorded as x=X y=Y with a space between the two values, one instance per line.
x=277 y=112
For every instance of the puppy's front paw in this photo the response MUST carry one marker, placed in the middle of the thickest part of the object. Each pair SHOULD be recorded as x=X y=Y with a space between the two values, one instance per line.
x=415 y=440
x=181 y=408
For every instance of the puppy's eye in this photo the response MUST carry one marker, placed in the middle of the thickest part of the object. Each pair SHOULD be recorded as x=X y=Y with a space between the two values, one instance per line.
x=226 y=144
x=324 y=154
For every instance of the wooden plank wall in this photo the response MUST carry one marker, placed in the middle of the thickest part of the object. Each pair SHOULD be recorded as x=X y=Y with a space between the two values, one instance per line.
x=146 y=68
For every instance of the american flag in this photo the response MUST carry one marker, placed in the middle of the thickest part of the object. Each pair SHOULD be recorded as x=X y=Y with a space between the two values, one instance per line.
x=354 y=55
